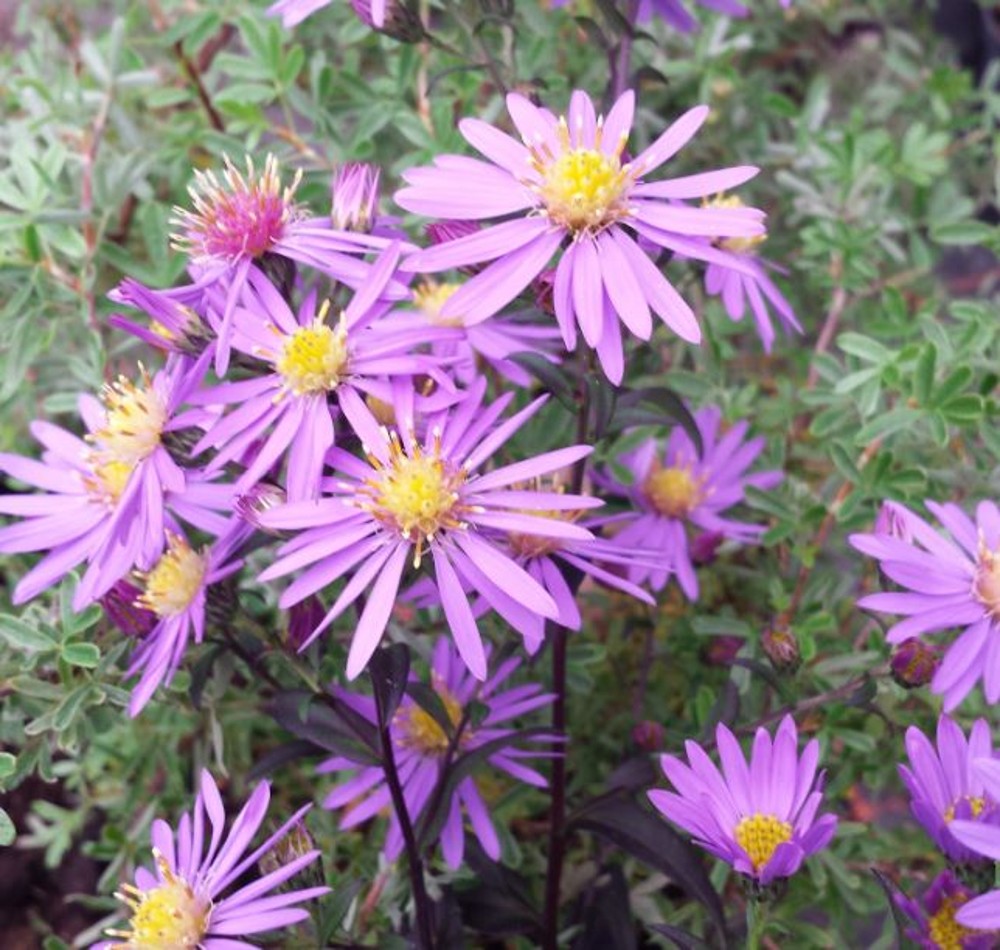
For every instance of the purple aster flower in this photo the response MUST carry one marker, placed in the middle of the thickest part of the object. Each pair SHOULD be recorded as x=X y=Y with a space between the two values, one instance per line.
x=934 y=917
x=421 y=745
x=293 y=12
x=982 y=913
x=411 y=498
x=121 y=607
x=944 y=786
x=744 y=279
x=948 y=581
x=759 y=817
x=683 y=491
x=566 y=188
x=108 y=499
x=234 y=223
x=175 y=324
x=181 y=905
x=287 y=409
x=175 y=589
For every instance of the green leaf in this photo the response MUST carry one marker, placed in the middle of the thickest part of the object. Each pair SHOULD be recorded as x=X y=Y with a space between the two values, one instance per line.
x=923 y=376
x=19 y=634
x=7 y=830
x=8 y=764
x=887 y=424
x=963 y=232
x=963 y=409
x=81 y=654
x=865 y=348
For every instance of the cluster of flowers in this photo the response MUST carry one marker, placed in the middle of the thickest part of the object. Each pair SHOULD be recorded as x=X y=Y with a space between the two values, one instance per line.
x=365 y=438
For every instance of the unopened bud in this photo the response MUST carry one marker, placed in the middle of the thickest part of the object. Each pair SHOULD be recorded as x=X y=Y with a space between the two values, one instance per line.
x=121 y=607
x=782 y=649
x=914 y=663
x=261 y=498
x=355 y=196
x=543 y=286
x=648 y=736
x=704 y=546
x=303 y=619
x=441 y=232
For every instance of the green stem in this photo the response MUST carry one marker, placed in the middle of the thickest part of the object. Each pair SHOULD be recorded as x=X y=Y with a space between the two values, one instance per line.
x=756 y=923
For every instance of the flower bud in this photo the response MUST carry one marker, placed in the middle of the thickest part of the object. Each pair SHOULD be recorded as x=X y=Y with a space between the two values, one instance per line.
x=704 y=546
x=121 y=607
x=892 y=521
x=543 y=286
x=441 y=232
x=297 y=843
x=914 y=663
x=782 y=649
x=354 y=194
x=303 y=619
x=722 y=650
x=252 y=504
x=401 y=23
x=648 y=736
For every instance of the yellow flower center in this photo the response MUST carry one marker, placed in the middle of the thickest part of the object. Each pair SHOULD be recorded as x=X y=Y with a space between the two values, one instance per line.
x=134 y=421
x=583 y=189
x=534 y=545
x=416 y=494
x=430 y=297
x=107 y=481
x=741 y=245
x=314 y=358
x=171 y=586
x=945 y=932
x=673 y=492
x=760 y=835
x=987 y=583
x=420 y=731
x=167 y=917
x=976 y=804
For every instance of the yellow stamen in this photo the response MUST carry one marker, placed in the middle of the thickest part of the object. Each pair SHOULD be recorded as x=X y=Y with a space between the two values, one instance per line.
x=759 y=835
x=945 y=932
x=416 y=493
x=583 y=189
x=314 y=358
x=976 y=803
x=430 y=297
x=533 y=545
x=673 y=491
x=171 y=586
x=420 y=731
x=986 y=586
x=134 y=419
x=741 y=245
x=166 y=917
x=107 y=481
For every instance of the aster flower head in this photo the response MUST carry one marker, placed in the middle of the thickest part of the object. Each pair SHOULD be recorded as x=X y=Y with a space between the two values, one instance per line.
x=175 y=324
x=311 y=358
x=108 y=496
x=180 y=905
x=175 y=590
x=676 y=489
x=944 y=786
x=758 y=816
x=413 y=501
x=741 y=278
x=422 y=749
x=933 y=916
x=566 y=191
x=948 y=580
x=235 y=222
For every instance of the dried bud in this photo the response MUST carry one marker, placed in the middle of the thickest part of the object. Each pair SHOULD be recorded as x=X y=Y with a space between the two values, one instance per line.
x=914 y=663
x=782 y=649
x=401 y=23
x=294 y=845
x=542 y=285
x=722 y=650
x=303 y=619
x=262 y=497
x=892 y=521
x=354 y=194
x=648 y=736
x=704 y=546
x=121 y=607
